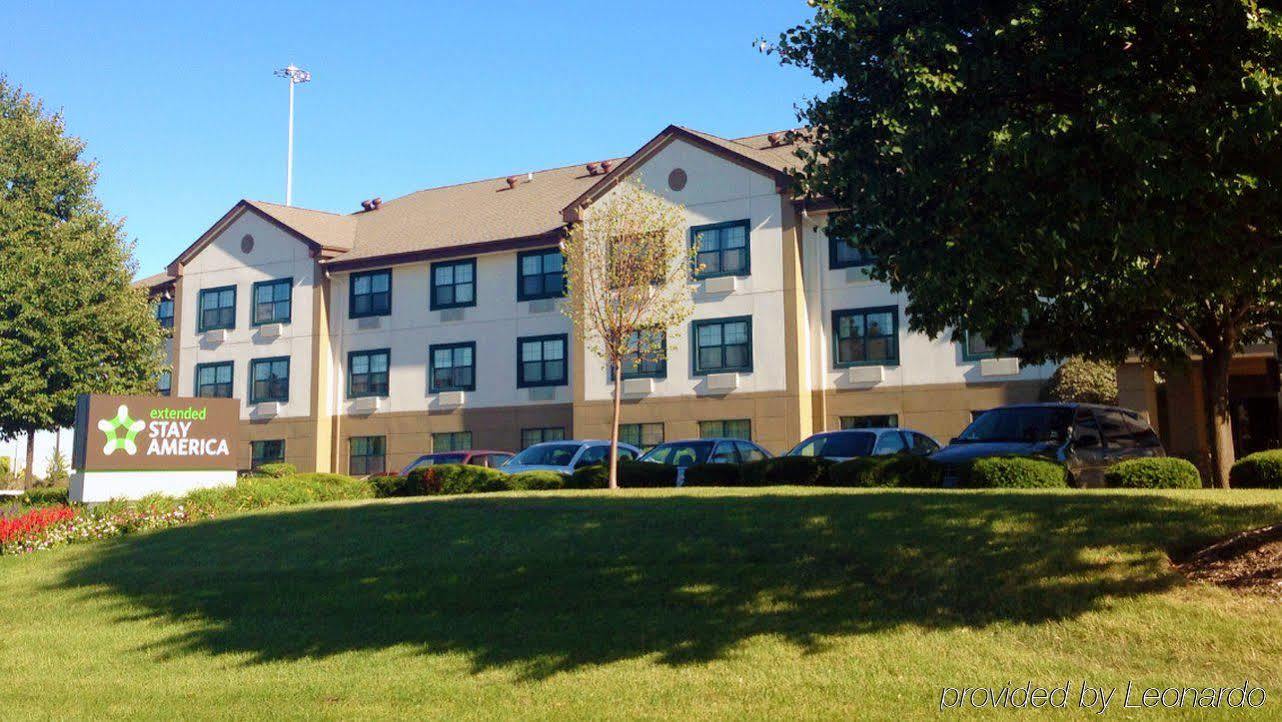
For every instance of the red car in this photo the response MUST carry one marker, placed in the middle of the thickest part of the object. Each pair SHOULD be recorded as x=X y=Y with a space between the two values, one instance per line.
x=474 y=457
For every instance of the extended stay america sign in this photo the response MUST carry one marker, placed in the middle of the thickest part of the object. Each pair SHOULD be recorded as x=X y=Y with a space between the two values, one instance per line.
x=154 y=433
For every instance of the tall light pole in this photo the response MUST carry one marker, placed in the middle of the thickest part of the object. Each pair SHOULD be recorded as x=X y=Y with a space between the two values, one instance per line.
x=295 y=75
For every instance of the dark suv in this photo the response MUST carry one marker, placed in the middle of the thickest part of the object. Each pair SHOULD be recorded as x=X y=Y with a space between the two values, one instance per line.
x=1086 y=438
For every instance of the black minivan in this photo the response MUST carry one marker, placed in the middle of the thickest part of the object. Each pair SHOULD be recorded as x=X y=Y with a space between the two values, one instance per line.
x=1085 y=438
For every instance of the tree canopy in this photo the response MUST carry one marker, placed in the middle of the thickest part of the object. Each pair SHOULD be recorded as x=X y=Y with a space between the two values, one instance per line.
x=70 y=320
x=1097 y=178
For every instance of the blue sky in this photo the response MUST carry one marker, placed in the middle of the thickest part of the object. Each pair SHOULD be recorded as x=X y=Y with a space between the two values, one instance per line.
x=178 y=104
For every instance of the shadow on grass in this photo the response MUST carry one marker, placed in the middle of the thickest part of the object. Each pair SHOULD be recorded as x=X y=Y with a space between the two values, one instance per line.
x=543 y=584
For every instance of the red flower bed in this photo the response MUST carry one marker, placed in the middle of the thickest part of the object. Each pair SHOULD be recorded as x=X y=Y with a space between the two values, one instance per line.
x=33 y=521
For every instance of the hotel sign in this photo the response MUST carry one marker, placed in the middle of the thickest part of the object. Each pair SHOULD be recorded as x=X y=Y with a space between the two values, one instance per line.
x=153 y=433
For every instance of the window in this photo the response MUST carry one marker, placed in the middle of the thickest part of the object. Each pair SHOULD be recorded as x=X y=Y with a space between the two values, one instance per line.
x=273 y=301
x=839 y=445
x=749 y=452
x=723 y=345
x=164 y=384
x=453 y=367
x=923 y=445
x=647 y=355
x=540 y=274
x=729 y=429
x=454 y=284
x=1117 y=432
x=540 y=361
x=890 y=443
x=843 y=254
x=368 y=455
x=214 y=380
x=530 y=437
x=642 y=436
x=367 y=373
x=268 y=451
x=217 y=308
x=876 y=421
x=974 y=347
x=866 y=336
x=269 y=379
x=723 y=249
x=451 y=441
x=165 y=312
x=371 y=294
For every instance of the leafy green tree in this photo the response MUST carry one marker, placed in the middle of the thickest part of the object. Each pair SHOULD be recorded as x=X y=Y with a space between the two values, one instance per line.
x=1083 y=381
x=1097 y=177
x=70 y=320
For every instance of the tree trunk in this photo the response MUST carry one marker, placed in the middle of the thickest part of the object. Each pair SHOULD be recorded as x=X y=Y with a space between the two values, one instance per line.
x=1215 y=391
x=29 y=474
x=1275 y=330
x=614 y=427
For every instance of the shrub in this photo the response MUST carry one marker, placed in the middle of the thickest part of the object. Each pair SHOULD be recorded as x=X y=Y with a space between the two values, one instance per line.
x=464 y=479
x=715 y=474
x=589 y=477
x=643 y=474
x=536 y=481
x=1167 y=473
x=905 y=470
x=1087 y=382
x=1261 y=470
x=752 y=473
x=1014 y=472
x=797 y=470
x=46 y=496
x=389 y=485
x=257 y=492
x=276 y=469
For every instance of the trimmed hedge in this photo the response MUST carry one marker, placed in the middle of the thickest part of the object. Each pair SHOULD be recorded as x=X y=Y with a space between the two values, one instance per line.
x=1261 y=470
x=899 y=470
x=1014 y=472
x=257 y=492
x=1162 y=473
x=646 y=475
x=389 y=485
x=536 y=481
x=46 y=496
x=714 y=475
x=276 y=469
x=589 y=477
x=461 y=479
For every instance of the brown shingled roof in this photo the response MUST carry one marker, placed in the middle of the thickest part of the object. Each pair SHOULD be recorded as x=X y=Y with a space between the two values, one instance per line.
x=470 y=217
x=155 y=280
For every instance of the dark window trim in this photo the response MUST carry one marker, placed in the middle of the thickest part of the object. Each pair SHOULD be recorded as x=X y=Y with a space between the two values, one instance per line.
x=200 y=309
x=254 y=463
x=747 y=247
x=253 y=398
x=694 y=346
x=520 y=265
x=836 y=316
x=253 y=301
x=834 y=264
x=431 y=366
x=215 y=364
x=967 y=355
x=521 y=383
x=369 y=352
x=351 y=442
x=351 y=293
x=431 y=284
x=660 y=373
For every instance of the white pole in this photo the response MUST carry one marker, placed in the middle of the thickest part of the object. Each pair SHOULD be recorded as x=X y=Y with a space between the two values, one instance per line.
x=289 y=161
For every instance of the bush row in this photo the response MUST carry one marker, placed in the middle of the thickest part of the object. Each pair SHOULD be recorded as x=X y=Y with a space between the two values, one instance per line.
x=1261 y=470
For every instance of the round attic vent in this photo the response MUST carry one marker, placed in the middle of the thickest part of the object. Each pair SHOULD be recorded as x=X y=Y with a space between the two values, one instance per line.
x=246 y=243
x=677 y=179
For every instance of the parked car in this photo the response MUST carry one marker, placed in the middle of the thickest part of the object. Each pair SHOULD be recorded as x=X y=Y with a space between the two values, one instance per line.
x=682 y=454
x=566 y=456
x=849 y=443
x=475 y=457
x=1086 y=438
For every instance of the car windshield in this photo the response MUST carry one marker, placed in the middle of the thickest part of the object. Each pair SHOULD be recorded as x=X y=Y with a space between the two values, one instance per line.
x=680 y=453
x=841 y=445
x=1025 y=425
x=434 y=459
x=545 y=455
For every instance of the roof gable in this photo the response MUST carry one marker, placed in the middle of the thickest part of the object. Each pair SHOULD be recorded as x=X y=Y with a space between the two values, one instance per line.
x=326 y=234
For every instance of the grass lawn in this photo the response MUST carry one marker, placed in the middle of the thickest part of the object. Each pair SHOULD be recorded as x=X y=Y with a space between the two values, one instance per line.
x=752 y=603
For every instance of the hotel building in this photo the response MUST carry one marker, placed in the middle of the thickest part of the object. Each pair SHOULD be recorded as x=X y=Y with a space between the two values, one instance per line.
x=356 y=342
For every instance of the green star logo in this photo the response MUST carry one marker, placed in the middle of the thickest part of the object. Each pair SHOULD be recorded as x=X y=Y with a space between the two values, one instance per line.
x=113 y=429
